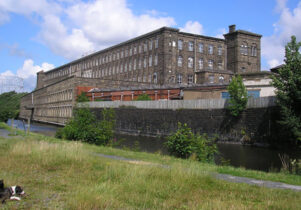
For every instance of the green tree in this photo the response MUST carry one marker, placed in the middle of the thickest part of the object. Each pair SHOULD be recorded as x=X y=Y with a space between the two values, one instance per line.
x=288 y=90
x=82 y=98
x=184 y=144
x=143 y=97
x=238 y=96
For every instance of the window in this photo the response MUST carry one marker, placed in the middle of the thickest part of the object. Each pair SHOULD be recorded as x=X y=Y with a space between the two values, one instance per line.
x=131 y=51
x=221 y=78
x=210 y=64
x=121 y=68
x=150 y=78
x=190 y=79
x=254 y=50
x=117 y=69
x=156 y=60
x=135 y=63
x=126 y=52
x=117 y=55
x=180 y=61
x=156 y=42
x=201 y=63
x=130 y=65
x=244 y=49
x=150 y=59
x=155 y=78
x=125 y=67
x=174 y=44
x=121 y=54
x=243 y=69
x=220 y=65
x=150 y=45
x=254 y=93
x=225 y=95
x=219 y=50
x=140 y=48
x=211 y=78
x=190 y=46
x=135 y=50
x=180 y=44
x=145 y=46
x=144 y=62
x=179 y=78
x=190 y=62
x=139 y=63
x=210 y=49
x=201 y=47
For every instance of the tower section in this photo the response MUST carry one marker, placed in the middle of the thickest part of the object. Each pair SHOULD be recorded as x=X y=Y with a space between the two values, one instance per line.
x=243 y=51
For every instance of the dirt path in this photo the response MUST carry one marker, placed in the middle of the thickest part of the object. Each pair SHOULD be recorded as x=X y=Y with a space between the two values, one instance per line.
x=225 y=177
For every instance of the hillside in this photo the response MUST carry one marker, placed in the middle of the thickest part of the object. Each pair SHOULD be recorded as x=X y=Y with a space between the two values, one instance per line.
x=59 y=174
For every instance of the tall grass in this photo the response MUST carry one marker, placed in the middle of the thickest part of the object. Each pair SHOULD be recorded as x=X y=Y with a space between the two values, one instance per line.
x=66 y=175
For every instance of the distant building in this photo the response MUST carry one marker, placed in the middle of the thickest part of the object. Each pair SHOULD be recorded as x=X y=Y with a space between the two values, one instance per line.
x=165 y=59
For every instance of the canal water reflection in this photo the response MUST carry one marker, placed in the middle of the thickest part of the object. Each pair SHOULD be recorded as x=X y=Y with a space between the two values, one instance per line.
x=264 y=159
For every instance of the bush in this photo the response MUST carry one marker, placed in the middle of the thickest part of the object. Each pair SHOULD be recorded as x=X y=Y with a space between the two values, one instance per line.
x=82 y=98
x=84 y=126
x=184 y=144
x=143 y=97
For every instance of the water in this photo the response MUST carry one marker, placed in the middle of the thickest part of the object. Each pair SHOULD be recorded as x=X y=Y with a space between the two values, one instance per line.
x=264 y=159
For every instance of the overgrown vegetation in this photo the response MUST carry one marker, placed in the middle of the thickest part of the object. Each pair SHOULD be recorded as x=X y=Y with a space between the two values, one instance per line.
x=238 y=96
x=10 y=105
x=57 y=174
x=82 y=98
x=143 y=97
x=185 y=144
x=288 y=90
x=84 y=126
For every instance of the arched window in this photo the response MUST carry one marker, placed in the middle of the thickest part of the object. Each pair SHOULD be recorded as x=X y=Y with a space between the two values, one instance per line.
x=254 y=50
x=155 y=78
x=244 y=48
x=190 y=62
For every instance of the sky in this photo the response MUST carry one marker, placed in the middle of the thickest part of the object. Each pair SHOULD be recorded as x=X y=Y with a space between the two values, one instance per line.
x=39 y=35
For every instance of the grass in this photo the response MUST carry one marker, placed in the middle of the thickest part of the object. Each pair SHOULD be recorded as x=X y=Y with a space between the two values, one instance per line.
x=66 y=175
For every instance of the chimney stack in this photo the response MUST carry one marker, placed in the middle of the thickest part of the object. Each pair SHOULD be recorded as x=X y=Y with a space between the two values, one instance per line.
x=232 y=28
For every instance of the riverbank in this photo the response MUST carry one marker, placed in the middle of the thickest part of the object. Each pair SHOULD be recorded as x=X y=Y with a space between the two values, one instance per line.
x=60 y=174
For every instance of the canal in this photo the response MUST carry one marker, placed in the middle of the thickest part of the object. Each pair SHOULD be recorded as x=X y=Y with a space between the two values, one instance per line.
x=237 y=155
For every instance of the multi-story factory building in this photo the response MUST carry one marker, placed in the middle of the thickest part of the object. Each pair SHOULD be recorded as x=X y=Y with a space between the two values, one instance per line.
x=165 y=57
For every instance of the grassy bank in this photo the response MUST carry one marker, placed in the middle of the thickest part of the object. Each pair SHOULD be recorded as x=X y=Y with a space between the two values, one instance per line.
x=66 y=175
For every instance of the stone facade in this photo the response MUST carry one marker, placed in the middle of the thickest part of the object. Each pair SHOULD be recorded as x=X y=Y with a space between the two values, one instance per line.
x=165 y=56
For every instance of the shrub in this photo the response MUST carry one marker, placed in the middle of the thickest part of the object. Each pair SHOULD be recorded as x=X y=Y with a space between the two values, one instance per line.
x=84 y=126
x=82 y=98
x=143 y=97
x=183 y=143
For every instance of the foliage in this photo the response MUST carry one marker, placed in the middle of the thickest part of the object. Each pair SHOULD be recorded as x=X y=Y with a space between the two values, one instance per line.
x=238 y=96
x=143 y=97
x=288 y=90
x=10 y=105
x=183 y=143
x=84 y=126
x=82 y=98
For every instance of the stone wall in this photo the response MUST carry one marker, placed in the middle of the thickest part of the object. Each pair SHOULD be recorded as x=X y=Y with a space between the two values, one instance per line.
x=254 y=125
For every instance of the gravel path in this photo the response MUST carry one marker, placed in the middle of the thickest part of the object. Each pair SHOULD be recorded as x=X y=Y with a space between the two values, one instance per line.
x=225 y=177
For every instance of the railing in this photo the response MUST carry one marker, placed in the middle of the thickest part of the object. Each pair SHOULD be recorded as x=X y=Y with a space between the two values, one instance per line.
x=180 y=104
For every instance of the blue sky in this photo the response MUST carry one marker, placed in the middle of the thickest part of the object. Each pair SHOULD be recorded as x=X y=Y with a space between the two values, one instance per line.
x=43 y=34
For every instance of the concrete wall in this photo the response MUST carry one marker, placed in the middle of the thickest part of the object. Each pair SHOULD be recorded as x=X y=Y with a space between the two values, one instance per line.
x=254 y=125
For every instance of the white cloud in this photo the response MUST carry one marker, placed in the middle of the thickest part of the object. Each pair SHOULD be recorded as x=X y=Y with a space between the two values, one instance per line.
x=287 y=25
x=193 y=27
x=29 y=73
x=221 y=33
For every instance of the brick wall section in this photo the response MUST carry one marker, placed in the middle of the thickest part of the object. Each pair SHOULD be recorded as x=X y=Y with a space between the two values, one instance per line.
x=259 y=124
